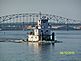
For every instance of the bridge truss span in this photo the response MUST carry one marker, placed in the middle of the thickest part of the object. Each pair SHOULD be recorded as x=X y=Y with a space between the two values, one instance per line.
x=23 y=19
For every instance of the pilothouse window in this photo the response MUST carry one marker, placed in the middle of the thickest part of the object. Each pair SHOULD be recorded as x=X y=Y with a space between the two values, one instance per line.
x=46 y=30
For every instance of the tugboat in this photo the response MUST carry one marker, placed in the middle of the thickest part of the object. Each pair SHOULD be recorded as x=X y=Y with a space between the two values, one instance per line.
x=42 y=32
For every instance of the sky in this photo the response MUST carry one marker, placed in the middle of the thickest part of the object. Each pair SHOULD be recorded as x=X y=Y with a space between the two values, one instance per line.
x=65 y=8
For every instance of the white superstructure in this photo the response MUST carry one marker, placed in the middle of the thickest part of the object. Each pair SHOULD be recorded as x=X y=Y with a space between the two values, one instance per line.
x=41 y=31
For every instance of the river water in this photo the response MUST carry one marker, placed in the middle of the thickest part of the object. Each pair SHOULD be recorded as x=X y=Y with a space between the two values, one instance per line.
x=71 y=42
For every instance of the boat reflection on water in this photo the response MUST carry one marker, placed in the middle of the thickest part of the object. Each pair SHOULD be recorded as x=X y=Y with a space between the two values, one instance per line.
x=42 y=51
x=37 y=45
